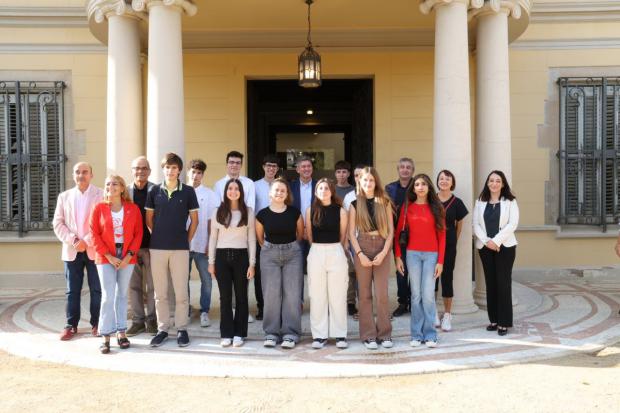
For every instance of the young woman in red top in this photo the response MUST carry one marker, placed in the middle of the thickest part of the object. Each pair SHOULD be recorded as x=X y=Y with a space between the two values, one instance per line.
x=116 y=228
x=422 y=214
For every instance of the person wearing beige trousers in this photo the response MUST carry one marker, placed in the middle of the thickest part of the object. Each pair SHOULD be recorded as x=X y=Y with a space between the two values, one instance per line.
x=328 y=278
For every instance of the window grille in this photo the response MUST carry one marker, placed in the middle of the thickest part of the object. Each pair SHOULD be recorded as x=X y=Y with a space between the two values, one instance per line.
x=589 y=151
x=32 y=155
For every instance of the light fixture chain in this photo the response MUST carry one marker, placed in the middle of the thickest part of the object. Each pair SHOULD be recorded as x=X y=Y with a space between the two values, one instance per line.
x=309 y=23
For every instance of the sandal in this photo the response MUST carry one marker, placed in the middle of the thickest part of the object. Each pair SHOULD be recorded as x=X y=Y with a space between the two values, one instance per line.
x=104 y=348
x=123 y=342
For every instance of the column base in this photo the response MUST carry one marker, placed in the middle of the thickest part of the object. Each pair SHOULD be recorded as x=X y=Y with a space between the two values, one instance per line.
x=480 y=298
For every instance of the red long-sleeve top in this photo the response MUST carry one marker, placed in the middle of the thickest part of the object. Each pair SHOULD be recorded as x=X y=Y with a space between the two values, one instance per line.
x=423 y=235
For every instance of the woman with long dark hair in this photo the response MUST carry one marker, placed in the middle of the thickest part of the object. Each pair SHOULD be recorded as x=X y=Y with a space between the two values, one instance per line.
x=496 y=217
x=116 y=228
x=279 y=228
x=423 y=217
x=371 y=229
x=455 y=212
x=232 y=256
x=326 y=229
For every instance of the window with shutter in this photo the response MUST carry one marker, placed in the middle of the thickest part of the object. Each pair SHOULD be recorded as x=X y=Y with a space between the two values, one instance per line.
x=589 y=150
x=31 y=154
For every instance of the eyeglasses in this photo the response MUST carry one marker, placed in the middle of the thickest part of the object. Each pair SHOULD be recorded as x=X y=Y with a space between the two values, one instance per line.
x=271 y=165
x=140 y=168
x=234 y=162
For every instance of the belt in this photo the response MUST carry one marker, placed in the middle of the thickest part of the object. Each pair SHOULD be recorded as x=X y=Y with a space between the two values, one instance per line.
x=119 y=245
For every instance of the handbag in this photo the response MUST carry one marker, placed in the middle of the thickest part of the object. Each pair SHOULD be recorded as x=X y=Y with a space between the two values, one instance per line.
x=403 y=237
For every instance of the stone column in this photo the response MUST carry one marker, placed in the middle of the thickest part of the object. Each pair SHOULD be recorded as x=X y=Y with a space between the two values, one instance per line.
x=124 y=140
x=165 y=102
x=452 y=126
x=493 y=137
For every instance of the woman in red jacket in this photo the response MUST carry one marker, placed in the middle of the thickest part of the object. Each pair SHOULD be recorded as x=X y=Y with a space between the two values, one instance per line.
x=116 y=228
x=423 y=216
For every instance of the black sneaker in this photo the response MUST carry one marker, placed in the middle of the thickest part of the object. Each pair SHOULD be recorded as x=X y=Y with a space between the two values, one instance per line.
x=400 y=310
x=182 y=338
x=159 y=339
x=259 y=314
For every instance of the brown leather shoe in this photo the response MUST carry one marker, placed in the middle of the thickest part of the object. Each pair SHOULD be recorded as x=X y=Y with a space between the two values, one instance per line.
x=68 y=333
x=95 y=331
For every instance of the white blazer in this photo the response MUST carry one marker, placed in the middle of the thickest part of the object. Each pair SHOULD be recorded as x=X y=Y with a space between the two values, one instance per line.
x=508 y=222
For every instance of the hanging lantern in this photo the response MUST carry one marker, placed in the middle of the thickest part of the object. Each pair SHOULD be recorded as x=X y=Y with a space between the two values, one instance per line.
x=309 y=61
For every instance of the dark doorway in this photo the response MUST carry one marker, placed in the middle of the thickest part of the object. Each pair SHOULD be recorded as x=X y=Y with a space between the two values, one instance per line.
x=340 y=125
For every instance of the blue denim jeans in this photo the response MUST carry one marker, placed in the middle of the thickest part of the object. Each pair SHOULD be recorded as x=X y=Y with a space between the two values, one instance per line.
x=114 y=283
x=206 y=284
x=282 y=282
x=421 y=266
x=74 y=276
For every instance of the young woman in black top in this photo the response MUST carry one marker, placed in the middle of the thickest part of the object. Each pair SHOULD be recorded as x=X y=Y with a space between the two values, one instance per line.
x=455 y=212
x=279 y=228
x=326 y=229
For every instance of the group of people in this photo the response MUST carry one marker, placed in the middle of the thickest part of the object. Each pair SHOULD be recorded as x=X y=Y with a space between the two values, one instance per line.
x=137 y=244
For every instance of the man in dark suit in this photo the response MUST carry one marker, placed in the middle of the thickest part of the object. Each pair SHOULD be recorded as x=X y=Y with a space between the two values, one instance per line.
x=302 y=190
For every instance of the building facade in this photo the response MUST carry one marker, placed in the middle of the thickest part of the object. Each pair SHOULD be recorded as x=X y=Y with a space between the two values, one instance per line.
x=528 y=87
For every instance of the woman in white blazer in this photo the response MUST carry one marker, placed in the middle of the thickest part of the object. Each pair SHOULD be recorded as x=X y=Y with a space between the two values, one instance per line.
x=496 y=216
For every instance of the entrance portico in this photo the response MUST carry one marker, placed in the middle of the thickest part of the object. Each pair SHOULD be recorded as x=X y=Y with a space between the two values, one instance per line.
x=443 y=26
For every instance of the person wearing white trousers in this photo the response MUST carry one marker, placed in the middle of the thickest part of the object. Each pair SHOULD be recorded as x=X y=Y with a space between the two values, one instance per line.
x=326 y=228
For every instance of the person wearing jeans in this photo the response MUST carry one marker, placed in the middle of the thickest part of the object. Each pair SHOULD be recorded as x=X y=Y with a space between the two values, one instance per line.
x=496 y=217
x=279 y=228
x=208 y=201
x=326 y=229
x=116 y=228
x=232 y=257
x=423 y=217
x=71 y=228
x=371 y=229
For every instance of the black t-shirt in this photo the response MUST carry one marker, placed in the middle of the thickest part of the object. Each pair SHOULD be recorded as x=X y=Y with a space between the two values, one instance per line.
x=491 y=218
x=328 y=232
x=139 y=198
x=370 y=205
x=456 y=211
x=170 y=219
x=280 y=227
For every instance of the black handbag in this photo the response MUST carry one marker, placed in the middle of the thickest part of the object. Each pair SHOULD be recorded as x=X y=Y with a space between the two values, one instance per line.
x=403 y=237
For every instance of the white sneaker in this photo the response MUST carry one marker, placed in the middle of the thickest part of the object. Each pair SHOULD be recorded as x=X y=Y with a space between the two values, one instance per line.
x=415 y=343
x=225 y=342
x=431 y=344
x=387 y=343
x=437 y=322
x=269 y=342
x=446 y=322
x=318 y=343
x=237 y=341
x=288 y=343
x=250 y=318
x=204 y=320
x=371 y=344
x=342 y=342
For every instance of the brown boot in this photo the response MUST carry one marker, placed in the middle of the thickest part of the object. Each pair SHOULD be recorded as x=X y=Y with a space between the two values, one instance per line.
x=151 y=327
x=135 y=329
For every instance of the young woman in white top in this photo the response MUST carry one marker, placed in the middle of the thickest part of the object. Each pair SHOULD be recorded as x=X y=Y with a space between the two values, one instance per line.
x=232 y=256
x=496 y=217
x=326 y=228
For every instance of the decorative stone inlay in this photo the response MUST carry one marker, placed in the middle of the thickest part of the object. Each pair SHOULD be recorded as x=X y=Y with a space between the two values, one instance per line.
x=479 y=7
x=187 y=6
x=102 y=9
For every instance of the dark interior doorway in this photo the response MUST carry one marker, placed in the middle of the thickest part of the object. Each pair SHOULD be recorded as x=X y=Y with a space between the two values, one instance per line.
x=340 y=123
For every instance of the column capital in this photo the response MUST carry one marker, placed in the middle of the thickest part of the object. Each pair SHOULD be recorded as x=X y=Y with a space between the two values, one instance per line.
x=426 y=6
x=104 y=9
x=187 y=6
x=480 y=8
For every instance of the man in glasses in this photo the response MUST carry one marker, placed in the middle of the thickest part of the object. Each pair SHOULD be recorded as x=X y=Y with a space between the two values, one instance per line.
x=271 y=169
x=141 y=288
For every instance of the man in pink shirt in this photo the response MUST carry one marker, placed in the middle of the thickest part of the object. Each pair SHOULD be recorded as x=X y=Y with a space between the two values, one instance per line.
x=71 y=228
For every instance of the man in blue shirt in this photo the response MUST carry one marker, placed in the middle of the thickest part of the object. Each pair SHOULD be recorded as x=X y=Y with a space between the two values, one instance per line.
x=168 y=206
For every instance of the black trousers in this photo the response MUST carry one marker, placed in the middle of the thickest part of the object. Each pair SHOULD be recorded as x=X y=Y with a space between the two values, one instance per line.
x=258 y=287
x=498 y=276
x=231 y=267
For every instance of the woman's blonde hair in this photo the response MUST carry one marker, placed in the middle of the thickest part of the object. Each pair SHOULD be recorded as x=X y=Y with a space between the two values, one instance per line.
x=124 y=195
x=383 y=209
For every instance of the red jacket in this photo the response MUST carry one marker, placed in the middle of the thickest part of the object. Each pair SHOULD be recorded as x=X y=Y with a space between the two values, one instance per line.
x=102 y=230
x=423 y=234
